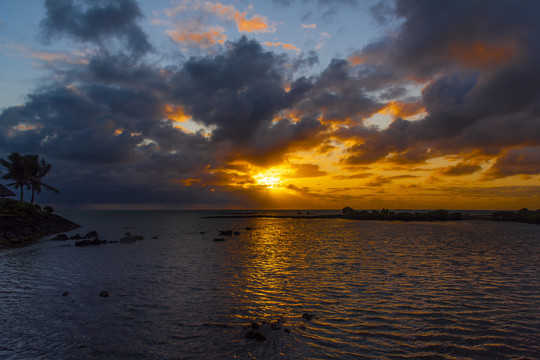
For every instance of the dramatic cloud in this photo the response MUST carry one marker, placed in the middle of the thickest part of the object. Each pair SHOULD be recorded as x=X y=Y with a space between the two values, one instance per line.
x=96 y=22
x=450 y=94
x=256 y=23
x=481 y=74
x=283 y=45
x=193 y=34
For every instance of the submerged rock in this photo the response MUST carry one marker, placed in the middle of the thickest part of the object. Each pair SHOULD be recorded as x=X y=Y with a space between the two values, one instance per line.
x=91 y=234
x=76 y=237
x=104 y=293
x=307 y=316
x=60 y=237
x=237 y=233
x=219 y=239
x=90 y=242
x=255 y=335
x=130 y=238
x=225 y=232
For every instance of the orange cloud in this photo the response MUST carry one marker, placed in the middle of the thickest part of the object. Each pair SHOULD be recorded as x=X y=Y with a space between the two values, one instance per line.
x=202 y=38
x=309 y=26
x=481 y=55
x=355 y=59
x=257 y=23
x=401 y=109
x=283 y=45
x=176 y=113
x=187 y=182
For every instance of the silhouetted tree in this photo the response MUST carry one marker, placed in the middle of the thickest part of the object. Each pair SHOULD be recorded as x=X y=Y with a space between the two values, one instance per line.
x=18 y=171
x=38 y=170
x=27 y=171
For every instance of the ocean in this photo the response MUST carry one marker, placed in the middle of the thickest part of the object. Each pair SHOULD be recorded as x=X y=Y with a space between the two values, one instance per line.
x=314 y=288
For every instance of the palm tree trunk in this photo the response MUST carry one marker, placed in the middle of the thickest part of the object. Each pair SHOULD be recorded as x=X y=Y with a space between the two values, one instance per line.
x=33 y=195
x=22 y=191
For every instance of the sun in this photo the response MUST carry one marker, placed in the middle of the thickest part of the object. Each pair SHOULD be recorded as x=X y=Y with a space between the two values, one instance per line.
x=270 y=179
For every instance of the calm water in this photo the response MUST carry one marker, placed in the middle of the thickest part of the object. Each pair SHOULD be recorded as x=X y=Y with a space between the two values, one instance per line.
x=376 y=289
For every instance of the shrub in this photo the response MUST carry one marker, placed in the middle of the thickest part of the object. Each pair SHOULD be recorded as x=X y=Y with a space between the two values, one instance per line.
x=48 y=209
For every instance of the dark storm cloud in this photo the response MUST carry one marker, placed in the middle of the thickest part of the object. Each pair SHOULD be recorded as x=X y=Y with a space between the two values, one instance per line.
x=460 y=169
x=270 y=145
x=237 y=91
x=525 y=161
x=482 y=61
x=337 y=93
x=104 y=124
x=95 y=21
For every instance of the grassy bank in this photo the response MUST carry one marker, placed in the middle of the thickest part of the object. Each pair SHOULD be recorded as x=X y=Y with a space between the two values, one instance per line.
x=22 y=223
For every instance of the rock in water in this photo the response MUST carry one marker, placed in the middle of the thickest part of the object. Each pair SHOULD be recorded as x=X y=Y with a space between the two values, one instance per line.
x=104 y=293
x=128 y=238
x=91 y=234
x=256 y=335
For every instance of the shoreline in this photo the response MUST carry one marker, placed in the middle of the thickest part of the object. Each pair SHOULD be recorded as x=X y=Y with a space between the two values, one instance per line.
x=379 y=217
x=20 y=230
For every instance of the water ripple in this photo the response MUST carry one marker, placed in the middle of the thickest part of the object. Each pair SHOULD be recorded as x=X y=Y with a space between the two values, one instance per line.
x=465 y=290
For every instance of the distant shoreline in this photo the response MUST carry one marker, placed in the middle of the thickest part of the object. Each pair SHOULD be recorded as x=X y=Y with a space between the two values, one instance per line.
x=523 y=216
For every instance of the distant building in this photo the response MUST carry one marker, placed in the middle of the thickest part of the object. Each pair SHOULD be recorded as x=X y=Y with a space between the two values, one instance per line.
x=4 y=191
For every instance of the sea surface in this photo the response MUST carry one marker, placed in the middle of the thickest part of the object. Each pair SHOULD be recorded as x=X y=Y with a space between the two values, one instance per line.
x=369 y=289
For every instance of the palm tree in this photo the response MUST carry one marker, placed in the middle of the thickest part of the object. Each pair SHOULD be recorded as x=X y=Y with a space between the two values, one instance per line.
x=38 y=170
x=27 y=170
x=18 y=171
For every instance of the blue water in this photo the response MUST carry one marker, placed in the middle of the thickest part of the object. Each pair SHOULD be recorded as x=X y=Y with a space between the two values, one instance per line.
x=376 y=290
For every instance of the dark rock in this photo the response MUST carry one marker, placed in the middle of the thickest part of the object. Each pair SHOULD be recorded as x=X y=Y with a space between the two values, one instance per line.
x=287 y=330
x=219 y=239
x=248 y=228
x=91 y=234
x=90 y=242
x=237 y=233
x=113 y=242
x=307 y=316
x=128 y=238
x=256 y=335
x=225 y=232
x=154 y=237
x=254 y=325
x=76 y=237
x=202 y=232
x=104 y=293
x=60 y=237
x=65 y=293
x=275 y=326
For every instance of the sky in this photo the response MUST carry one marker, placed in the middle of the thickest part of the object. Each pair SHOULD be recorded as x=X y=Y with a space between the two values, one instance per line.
x=282 y=104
